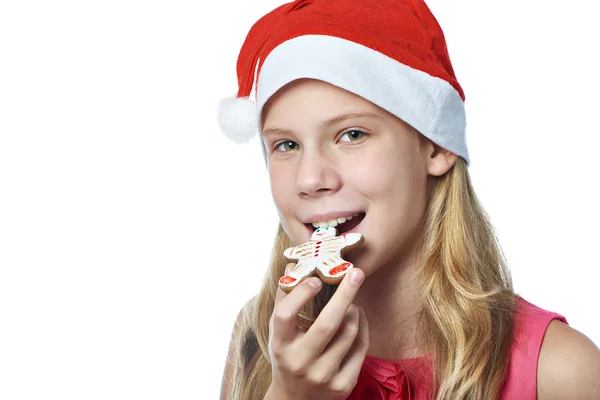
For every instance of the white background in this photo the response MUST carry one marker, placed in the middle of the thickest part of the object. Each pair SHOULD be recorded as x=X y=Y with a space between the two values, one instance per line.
x=131 y=231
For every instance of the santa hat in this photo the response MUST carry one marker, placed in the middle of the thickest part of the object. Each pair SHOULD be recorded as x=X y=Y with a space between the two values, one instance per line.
x=390 y=52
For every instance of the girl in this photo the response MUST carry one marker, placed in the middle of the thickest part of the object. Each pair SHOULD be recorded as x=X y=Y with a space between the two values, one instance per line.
x=362 y=122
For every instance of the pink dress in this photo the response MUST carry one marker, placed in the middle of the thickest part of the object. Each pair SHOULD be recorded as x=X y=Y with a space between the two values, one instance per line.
x=411 y=379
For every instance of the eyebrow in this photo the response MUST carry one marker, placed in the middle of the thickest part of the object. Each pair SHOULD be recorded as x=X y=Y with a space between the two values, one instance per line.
x=327 y=123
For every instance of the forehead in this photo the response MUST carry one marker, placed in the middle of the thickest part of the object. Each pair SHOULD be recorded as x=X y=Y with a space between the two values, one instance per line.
x=306 y=100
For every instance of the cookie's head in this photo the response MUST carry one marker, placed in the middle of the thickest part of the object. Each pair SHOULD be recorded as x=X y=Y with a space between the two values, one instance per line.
x=323 y=233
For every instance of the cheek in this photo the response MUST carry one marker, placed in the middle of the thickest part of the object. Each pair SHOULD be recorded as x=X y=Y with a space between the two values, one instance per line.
x=383 y=176
x=282 y=186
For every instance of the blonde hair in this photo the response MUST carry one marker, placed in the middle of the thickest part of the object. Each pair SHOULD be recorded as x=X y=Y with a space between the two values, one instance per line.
x=467 y=296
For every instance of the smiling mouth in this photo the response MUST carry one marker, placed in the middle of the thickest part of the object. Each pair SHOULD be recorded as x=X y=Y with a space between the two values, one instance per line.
x=341 y=225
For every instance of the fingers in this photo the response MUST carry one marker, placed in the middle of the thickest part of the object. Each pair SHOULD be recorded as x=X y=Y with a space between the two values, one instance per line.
x=350 y=367
x=331 y=317
x=284 y=321
x=341 y=343
x=330 y=354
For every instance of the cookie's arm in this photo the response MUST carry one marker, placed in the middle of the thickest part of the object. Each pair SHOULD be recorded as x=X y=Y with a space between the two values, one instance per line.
x=352 y=238
x=289 y=253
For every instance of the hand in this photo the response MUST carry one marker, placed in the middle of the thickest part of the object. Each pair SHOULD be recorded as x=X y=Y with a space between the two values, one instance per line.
x=324 y=361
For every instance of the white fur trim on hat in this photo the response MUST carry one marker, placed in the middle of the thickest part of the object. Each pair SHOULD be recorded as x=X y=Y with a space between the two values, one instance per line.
x=237 y=118
x=429 y=104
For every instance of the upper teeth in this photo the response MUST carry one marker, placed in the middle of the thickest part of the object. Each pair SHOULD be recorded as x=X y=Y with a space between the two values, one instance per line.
x=333 y=222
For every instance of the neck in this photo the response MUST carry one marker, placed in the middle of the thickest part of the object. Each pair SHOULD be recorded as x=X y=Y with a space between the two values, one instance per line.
x=390 y=301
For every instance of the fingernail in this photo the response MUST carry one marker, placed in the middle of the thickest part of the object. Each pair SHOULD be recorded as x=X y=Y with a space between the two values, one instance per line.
x=314 y=282
x=356 y=277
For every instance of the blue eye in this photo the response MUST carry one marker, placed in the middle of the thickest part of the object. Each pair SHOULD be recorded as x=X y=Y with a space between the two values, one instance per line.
x=327 y=228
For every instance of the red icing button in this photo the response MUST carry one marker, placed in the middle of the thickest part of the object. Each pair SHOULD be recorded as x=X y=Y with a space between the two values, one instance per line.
x=286 y=280
x=339 y=268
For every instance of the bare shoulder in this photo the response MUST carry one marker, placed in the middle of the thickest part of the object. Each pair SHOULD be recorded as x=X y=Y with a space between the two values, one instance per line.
x=568 y=365
x=230 y=362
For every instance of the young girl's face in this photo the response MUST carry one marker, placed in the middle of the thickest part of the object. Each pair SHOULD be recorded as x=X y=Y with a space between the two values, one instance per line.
x=332 y=154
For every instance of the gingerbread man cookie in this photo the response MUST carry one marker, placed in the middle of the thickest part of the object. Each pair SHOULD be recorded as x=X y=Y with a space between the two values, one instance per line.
x=321 y=256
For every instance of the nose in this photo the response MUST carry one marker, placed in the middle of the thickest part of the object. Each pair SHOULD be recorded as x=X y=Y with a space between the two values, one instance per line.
x=317 y=175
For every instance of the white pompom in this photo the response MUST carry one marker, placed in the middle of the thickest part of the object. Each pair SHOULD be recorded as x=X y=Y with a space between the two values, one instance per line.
x=237 y=118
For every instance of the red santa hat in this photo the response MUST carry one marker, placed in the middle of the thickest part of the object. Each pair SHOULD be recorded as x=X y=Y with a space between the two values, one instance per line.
x=390 y=52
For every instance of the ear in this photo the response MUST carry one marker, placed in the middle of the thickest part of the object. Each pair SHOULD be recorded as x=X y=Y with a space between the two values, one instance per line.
x=439 y=160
